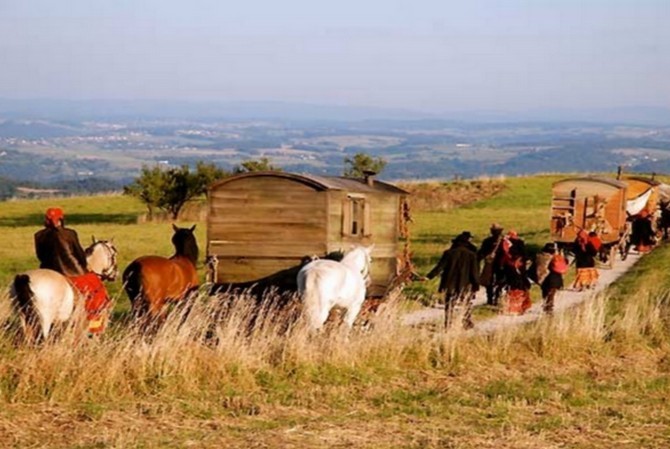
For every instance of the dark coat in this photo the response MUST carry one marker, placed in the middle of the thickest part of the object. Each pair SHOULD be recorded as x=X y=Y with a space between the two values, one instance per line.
x=585 y=257
x=459 y=268
x=642 y=232
x=491 y=254
x=59 y=249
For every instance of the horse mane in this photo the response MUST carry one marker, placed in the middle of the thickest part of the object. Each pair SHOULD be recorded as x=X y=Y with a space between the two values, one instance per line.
x=185 y=244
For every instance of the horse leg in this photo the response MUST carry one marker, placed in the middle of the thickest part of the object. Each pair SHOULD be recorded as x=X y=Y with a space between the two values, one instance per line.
x=352 y=312
x=30 y=329
x=354 y=309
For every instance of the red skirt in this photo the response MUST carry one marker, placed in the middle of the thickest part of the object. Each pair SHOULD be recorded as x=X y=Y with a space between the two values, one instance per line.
x=96 y=300
x=517 y=302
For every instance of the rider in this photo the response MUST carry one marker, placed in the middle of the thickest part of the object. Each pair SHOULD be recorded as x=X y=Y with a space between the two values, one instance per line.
x=58 y=249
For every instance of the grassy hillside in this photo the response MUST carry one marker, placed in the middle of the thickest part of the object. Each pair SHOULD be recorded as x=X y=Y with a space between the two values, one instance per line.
x=598 y=377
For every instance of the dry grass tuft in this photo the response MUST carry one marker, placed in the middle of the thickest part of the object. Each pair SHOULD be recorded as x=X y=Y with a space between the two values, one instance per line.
x=443 y=196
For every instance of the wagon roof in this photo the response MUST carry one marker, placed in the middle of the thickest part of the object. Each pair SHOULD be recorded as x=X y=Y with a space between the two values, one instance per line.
x=644 y=179
x=320 y=182
x=608 y=181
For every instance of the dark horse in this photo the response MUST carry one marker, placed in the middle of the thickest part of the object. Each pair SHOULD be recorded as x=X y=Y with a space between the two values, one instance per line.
x=153 y=281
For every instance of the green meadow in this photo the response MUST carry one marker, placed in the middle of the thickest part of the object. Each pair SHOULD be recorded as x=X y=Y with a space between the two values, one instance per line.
x=597 y=376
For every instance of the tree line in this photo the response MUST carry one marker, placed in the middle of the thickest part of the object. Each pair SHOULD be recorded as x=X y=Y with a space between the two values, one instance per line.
x=169 y=189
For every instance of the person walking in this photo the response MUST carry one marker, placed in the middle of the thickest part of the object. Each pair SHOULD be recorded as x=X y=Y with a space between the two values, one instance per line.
x=547 y=271
x=585 y=260
x=490 y=255
x=459 y=279
x=517 y=297
x=643 y=236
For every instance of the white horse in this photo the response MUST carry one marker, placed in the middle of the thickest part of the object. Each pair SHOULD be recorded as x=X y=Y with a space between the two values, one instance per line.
x=45 y=297
x=101 y=259
x=323 y=284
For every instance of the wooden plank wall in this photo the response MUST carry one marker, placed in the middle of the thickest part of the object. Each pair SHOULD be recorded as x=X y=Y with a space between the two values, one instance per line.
x=384 y=216
x=258 y=226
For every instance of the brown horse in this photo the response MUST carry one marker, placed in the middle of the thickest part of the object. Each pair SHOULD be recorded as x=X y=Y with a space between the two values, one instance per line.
x=153 y=281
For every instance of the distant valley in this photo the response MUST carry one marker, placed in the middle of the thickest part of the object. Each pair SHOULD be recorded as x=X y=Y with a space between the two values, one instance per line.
x=48 y=151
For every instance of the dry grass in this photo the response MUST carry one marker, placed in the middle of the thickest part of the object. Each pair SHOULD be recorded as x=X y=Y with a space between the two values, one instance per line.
x=596 y=377
x=439 y=196
x=217 y=375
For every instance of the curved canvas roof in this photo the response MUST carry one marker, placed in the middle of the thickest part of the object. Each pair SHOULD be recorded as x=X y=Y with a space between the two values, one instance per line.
x=608 y=181
x=319 y=182
x=644 y=179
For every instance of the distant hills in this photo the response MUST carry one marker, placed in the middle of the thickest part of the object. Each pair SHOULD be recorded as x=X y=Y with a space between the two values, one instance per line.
x=287 y=111
x=91 y=145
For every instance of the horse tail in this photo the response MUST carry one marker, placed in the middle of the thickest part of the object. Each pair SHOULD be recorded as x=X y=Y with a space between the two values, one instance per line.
x=24 y=297
x=132 y=284
x=308 y=286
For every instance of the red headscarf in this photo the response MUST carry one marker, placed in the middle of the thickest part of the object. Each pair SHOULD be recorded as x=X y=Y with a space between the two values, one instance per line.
x=54 y=215
x=583 y=239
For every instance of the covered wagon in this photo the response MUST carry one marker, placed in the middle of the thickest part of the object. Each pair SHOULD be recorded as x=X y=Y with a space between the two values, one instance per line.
x=642 y=193
x=262 y=225
x=590 y=204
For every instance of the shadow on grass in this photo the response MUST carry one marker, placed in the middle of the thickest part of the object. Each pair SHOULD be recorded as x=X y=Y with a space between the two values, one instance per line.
x=70 y=219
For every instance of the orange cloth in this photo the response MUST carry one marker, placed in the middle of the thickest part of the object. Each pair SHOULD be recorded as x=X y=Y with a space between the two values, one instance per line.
x=96 y=300
x=595 y=241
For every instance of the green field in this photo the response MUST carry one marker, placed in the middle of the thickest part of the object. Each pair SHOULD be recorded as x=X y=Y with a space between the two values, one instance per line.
x=595 y=377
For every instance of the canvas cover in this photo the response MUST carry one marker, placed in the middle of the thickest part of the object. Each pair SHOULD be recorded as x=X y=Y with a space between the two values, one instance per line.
x=636 y=205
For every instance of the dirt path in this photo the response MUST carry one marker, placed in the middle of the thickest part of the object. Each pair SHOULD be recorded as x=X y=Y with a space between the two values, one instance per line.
x=566 y=298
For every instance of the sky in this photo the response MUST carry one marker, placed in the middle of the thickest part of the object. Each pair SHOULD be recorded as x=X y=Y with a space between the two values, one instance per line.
x=427 y=55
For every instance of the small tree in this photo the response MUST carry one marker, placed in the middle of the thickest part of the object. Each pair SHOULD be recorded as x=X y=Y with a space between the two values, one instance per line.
x=171 y=189
x=262 y=164
x=148 y=187
x=357 y=166
x=181 y=186
x=207 y=174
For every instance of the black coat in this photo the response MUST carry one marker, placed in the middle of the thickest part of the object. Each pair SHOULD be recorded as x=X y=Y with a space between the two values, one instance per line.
x=459 y=268
x=585 y=257
x=59 y=249
x=642 y=232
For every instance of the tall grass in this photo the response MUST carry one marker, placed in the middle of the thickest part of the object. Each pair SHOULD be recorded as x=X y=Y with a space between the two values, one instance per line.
x=224 y=344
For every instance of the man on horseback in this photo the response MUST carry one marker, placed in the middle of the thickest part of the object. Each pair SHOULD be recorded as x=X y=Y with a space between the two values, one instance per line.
x=58 y=249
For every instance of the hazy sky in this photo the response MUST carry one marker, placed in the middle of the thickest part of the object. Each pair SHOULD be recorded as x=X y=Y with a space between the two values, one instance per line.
x=429 y=55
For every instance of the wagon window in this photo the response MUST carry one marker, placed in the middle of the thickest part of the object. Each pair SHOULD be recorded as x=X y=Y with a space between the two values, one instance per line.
x=355 y=217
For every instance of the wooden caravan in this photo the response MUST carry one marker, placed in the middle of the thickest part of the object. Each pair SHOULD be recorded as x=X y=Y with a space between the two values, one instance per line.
x=591 y=203
x=262 y=223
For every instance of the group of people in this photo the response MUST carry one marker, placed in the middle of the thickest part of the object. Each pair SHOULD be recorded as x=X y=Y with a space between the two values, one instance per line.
x=501 y=266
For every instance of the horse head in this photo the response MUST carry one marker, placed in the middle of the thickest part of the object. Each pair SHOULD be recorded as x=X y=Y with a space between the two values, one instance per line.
x=360 y=258
x=101 y=259
x=185 y=244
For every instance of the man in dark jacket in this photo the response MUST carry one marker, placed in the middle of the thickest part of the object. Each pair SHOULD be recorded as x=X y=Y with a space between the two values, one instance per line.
x=58 y=247
x=490 y=253
x=460 y=277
